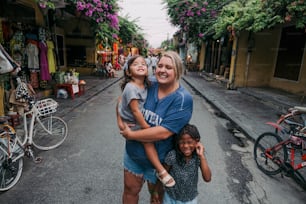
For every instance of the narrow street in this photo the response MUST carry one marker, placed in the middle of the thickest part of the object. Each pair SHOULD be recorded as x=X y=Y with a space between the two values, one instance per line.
x=87 y=168
x=244 y=64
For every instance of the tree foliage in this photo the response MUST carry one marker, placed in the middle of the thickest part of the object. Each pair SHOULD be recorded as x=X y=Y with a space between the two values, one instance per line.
x=102 y=13
x=201 y=19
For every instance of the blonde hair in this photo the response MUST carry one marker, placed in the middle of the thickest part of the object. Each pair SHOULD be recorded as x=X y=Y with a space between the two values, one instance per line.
x=176 y=60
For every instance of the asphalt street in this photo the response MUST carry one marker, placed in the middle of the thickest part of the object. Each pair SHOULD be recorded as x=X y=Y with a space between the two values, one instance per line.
x=247 y=108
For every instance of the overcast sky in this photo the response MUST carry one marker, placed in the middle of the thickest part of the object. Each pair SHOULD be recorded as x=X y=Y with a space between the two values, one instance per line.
x=151 y=17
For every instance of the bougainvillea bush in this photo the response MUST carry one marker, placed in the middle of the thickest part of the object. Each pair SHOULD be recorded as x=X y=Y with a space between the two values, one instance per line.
x=103 y=14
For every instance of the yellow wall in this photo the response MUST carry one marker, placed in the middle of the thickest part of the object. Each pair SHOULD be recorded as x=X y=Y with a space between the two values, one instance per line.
x=202 y=55
x=262 y=60
x=237 y=67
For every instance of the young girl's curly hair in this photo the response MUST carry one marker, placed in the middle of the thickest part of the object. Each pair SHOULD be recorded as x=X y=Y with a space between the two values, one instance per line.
x=127 y=78
x=191 y=130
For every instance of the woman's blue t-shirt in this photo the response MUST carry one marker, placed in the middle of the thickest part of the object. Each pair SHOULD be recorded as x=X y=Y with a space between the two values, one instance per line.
x=172 y=112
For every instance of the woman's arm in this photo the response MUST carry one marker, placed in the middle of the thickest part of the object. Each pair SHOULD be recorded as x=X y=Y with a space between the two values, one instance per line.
x=151 y=134
x=205 y=170
x=119 y=119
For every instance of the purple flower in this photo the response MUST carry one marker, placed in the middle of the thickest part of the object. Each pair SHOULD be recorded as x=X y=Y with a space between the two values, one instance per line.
x=43 y=5
x=201 y=35
x=98 y=20
x=80 y=6
x=213 y=13
x=89 y=13
x=114 y=22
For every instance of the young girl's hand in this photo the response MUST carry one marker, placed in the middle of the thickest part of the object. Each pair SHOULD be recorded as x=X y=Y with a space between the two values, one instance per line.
x=125 y=132
x=200 y=149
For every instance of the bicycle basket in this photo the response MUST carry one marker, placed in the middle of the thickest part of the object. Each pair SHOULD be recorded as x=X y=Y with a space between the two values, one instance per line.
x=46 y=106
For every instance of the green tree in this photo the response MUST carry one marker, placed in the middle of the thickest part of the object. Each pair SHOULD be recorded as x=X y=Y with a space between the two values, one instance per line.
x=131 y=34
x=201 y=19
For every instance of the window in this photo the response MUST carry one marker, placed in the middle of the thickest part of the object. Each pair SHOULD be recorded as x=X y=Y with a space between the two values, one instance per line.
x=290 y=53
x=60 y=50
x=76 y=55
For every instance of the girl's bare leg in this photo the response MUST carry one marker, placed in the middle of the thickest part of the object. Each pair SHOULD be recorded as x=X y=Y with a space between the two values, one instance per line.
x=153 y=156
x=156 y=192
x=154 y=159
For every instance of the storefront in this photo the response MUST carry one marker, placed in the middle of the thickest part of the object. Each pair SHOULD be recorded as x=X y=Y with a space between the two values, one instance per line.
x=26 y=38
x=30 y=37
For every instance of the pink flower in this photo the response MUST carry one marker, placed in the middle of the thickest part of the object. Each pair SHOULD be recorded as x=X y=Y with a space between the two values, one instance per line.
x=43 y=5
x=114 y=22
x=201 y=35
x=80 y=6
x=89 y=13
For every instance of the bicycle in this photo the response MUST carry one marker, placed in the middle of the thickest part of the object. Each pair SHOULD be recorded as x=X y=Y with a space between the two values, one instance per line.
x=296 y=116
x=43 y=131
x=274 y=155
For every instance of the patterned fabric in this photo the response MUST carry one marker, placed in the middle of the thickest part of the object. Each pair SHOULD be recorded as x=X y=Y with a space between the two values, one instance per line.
x=186 y=178
x=22 y=93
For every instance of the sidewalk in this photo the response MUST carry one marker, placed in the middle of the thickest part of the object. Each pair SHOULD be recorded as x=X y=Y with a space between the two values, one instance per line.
x=94 y=85
x=248 y=108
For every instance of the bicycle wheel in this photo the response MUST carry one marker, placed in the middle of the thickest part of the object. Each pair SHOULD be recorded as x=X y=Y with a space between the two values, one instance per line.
x=45 y=141
x=299 y=179
x=10 y=171
x=269 y=162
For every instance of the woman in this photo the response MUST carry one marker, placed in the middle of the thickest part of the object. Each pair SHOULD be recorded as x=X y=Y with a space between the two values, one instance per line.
x=168 y=108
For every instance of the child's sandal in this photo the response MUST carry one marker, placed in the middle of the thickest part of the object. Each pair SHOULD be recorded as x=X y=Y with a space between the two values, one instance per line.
x=167 y=180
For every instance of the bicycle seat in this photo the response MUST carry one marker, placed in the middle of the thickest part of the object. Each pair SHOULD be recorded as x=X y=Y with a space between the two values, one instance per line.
x=293 y=123
x=300 y=108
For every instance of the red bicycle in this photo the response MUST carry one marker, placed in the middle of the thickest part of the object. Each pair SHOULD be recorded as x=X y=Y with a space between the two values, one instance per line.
x=274 y=155
x=296 y=117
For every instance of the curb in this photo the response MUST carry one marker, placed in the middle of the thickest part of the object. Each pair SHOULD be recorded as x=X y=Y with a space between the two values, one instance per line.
x=237 y=124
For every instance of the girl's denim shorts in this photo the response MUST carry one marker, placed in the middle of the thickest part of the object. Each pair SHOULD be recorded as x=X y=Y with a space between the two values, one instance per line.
x=148 y=174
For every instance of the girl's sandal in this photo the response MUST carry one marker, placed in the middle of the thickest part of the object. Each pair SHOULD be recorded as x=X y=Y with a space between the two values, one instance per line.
x=167 y=180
